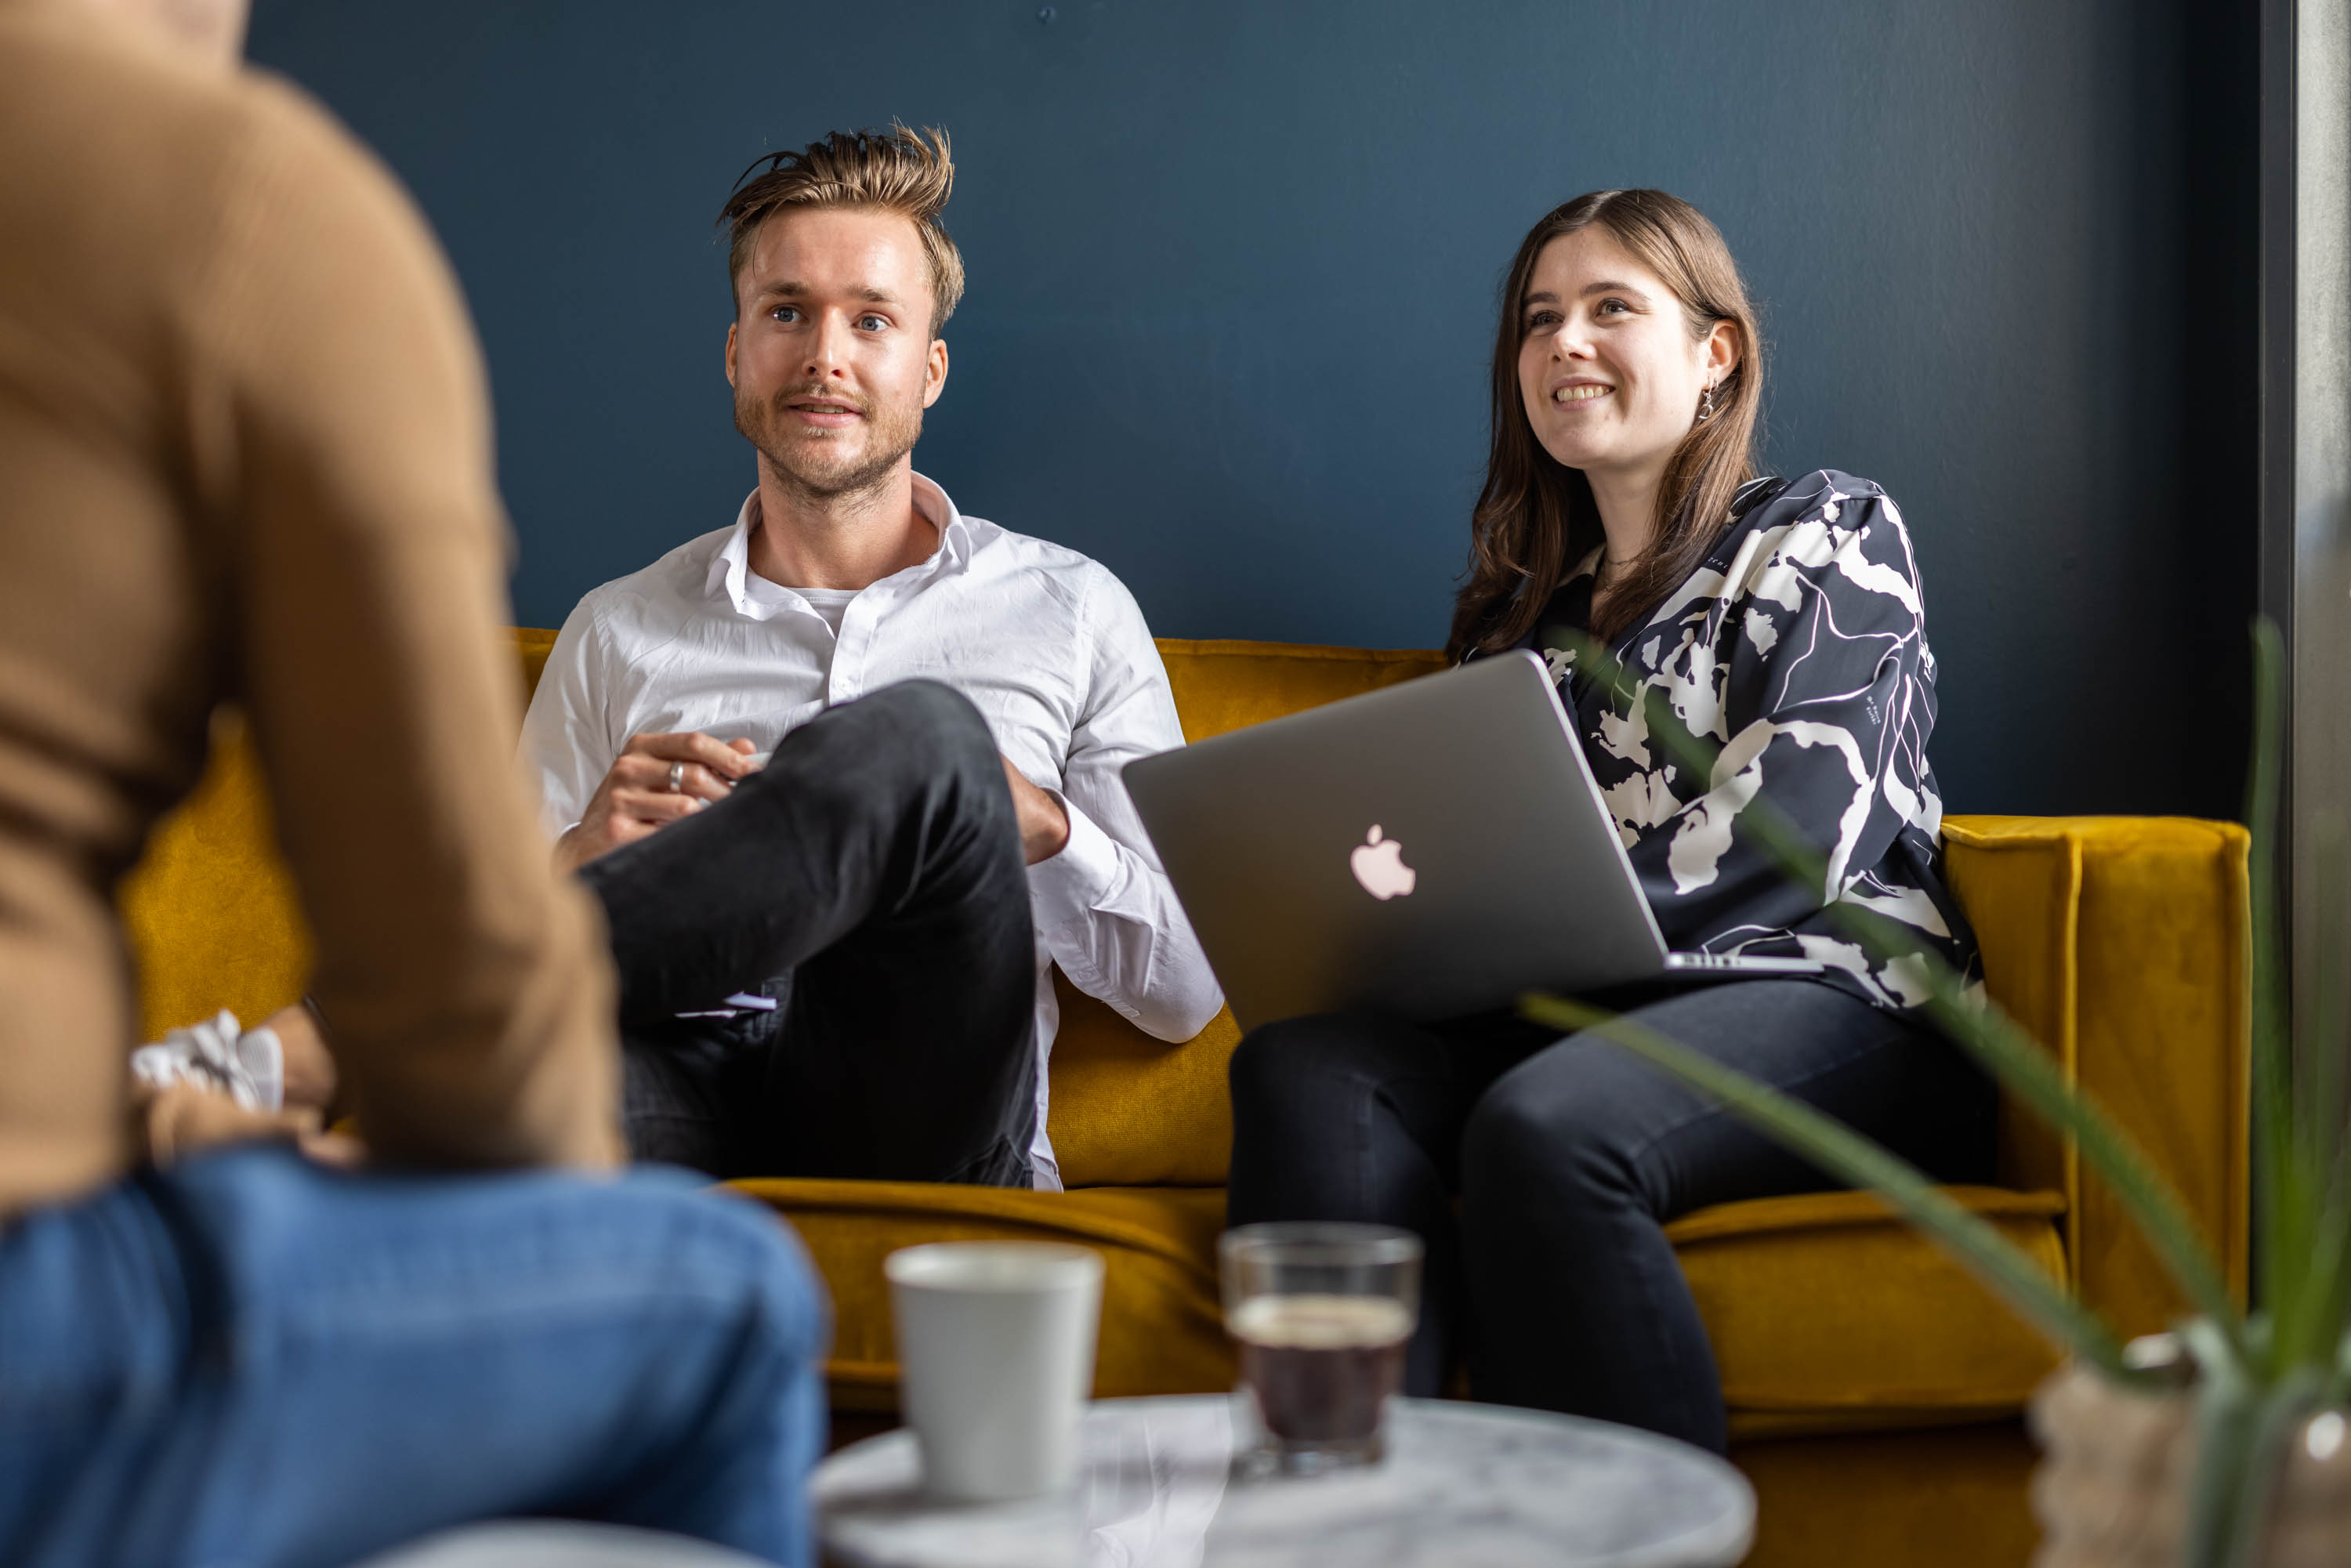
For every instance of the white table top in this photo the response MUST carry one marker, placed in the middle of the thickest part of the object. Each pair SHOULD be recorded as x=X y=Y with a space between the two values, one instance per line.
x=1463 y=1485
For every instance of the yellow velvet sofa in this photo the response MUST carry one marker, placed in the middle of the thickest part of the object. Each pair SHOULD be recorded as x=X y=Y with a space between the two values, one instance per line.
x=1874 y=1389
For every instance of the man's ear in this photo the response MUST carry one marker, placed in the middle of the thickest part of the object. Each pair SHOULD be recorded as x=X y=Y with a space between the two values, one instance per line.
x=730 y=353
x=934 y=376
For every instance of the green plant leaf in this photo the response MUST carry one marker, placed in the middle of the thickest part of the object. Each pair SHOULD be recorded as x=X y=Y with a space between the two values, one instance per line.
x=2312 y=1289
x=2242 y=1430
x=2284 y=1405
x=2309 y=1315
x=2227 y=1405
x=2302 y=1156
x=1983 y=1029
x=2275 y=1197
x=1845 y=1153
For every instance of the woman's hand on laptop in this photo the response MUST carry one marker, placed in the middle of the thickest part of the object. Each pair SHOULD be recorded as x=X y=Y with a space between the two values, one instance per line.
x=637 y=796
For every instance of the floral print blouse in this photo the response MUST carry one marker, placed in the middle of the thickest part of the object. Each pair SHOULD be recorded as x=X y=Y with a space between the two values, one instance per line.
x=1799 y=651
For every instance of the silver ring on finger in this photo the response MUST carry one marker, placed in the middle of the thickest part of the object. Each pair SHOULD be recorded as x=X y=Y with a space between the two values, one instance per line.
x=676 y=778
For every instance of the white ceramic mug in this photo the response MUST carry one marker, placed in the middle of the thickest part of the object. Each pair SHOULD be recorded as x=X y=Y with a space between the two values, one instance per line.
x=996 y=1359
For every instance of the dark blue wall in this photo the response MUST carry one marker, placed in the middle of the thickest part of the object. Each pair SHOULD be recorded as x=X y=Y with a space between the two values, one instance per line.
x=1232 y=270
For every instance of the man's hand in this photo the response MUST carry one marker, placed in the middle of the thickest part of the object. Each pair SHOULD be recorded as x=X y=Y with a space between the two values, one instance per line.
x=635 y=797
x=1044 y=826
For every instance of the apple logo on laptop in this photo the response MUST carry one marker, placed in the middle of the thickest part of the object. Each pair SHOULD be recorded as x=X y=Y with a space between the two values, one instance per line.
x=1378 y=864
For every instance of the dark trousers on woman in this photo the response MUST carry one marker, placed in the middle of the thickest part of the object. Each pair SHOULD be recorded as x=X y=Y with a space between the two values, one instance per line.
x=869 y=881
x=1541 y=1172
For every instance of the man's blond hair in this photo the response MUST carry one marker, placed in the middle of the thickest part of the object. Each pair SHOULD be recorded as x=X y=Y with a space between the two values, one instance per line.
x=896 y=171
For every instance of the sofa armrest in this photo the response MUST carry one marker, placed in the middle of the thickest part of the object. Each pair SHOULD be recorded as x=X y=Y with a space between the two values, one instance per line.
x=2122 y=944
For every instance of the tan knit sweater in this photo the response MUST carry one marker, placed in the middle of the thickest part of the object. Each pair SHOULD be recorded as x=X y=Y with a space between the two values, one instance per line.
x=245 y=458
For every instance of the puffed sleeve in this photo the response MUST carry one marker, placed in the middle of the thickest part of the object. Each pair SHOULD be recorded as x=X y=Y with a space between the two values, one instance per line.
x=1825 y=695
x=1104 y=907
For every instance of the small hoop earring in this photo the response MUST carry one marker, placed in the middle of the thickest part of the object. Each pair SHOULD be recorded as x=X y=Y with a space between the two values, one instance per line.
x=1705 y=404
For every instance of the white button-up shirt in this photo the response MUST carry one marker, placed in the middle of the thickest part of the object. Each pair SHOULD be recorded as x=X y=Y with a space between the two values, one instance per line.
x=1047 y=644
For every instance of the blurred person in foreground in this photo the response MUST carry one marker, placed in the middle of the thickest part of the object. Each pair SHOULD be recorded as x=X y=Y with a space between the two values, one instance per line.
x=244 y=457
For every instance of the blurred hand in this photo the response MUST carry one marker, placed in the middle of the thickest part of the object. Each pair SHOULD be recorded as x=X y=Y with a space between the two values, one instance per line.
x=186 y=1118
x=636 y=800
x=309 y=1069
x=338 y=1149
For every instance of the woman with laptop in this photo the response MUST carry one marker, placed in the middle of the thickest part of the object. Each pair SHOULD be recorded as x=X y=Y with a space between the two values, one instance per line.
x=1778 y=620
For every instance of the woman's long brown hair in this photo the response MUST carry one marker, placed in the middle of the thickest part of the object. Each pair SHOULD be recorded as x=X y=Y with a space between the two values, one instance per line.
x=1536 y=518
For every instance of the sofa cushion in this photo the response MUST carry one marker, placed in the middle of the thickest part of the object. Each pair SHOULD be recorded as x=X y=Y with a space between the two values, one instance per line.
x=1162 y=1323
x=1827 y=1313
x=1130 y=1111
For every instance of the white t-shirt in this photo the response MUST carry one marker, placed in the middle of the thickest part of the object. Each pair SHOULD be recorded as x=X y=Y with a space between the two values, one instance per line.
x=830 y=604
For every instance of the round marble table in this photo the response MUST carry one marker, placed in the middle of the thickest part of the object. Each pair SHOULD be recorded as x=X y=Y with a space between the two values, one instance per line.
x=1463 y=1485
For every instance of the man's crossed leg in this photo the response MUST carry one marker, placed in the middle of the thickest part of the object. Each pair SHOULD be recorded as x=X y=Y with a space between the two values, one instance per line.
x=870 y=881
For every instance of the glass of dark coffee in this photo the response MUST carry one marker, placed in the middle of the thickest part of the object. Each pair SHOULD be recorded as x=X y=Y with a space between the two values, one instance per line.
x=1320 y=1313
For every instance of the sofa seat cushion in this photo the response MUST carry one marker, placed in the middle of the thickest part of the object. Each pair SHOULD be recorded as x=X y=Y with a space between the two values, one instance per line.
x=1162 y=1326
x=1827 y=1312
x=1130 y=1111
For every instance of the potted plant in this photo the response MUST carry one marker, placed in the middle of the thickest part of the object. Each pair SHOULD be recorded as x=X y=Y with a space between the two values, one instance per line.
x=2224 y=1444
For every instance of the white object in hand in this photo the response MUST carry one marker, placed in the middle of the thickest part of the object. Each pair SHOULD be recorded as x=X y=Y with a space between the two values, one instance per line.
x=247 y=1065
x=996 y=1355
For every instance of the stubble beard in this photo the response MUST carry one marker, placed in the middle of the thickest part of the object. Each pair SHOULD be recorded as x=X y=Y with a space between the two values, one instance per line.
x=804 y=466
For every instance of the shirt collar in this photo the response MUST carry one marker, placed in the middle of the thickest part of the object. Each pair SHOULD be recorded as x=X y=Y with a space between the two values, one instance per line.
x=730 y=570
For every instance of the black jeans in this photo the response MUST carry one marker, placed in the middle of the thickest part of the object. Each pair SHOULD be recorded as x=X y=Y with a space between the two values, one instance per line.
x=871 y=881
x=1541 y=1172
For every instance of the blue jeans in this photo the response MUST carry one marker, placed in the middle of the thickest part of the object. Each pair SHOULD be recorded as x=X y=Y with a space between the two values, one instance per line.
x=249 y=1361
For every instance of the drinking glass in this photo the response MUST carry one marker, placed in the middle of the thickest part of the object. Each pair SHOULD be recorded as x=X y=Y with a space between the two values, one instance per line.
x=1321 y=1314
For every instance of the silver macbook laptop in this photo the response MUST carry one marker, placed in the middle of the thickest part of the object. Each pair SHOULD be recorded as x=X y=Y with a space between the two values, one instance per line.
x=1428 y=850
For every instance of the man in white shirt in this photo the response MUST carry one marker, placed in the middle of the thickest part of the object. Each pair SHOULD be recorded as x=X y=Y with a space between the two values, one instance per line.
x=843 y=968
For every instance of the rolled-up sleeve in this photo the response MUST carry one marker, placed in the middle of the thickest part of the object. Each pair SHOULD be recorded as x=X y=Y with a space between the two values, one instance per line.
x=568 y=746
x=1104 y=908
